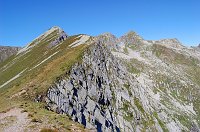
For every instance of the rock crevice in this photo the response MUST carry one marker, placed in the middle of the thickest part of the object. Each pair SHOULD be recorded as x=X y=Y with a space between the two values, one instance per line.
x=87 y=94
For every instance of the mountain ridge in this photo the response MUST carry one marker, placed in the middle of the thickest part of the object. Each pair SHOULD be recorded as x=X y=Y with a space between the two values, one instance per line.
x=104 y=82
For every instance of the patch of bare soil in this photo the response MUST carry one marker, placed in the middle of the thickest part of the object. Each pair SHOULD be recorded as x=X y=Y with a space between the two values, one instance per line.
x=14 y=120
x=17 y=120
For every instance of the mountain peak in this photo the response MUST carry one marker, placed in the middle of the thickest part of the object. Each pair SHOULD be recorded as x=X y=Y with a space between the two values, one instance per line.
x=107 y=38
x=172 y=42
x=55 y=28
x=53 y=31
x=131 y=37
x=108 y=35
x=199 y=46
x=132 y=34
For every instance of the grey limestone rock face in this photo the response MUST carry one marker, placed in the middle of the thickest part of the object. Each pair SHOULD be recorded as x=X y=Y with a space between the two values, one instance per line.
x=61 y=37
x=105 y=92
x=109 y=39
x=88 y=93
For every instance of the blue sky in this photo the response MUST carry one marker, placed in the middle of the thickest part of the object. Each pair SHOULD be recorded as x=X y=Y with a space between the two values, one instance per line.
x=23 y=20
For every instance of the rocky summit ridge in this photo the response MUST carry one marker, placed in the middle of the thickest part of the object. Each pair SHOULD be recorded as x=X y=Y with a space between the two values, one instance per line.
x=107 y=83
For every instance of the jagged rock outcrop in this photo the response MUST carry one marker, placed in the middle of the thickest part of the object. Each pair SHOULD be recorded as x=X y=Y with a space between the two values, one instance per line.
x=109 y=39
x=88 y=93
x=7 y=51
x=61 y=37
x=106 y=92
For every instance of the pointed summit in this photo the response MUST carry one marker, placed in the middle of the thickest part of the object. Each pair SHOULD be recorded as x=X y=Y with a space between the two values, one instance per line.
x=132 y=34
x=54 y=28
x=107 y=38
x=131 y=38
x=47 y=36
x=108 y=35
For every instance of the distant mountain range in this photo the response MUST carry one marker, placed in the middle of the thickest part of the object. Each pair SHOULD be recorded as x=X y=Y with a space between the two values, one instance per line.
x=104 y=83
x=7 y=51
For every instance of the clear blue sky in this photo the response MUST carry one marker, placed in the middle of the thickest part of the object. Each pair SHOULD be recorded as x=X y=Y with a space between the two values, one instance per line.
x=23 y=20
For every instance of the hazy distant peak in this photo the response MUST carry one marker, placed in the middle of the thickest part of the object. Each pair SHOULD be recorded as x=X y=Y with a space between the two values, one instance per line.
x=170 y=40
x=1 y=46
x=7 y=51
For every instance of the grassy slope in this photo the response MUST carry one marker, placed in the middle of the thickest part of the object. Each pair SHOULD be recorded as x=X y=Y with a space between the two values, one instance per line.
x=189 y=67
x=38 y=80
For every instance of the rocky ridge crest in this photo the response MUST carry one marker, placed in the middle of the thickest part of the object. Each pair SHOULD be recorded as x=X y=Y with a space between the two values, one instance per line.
x=107 y=92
